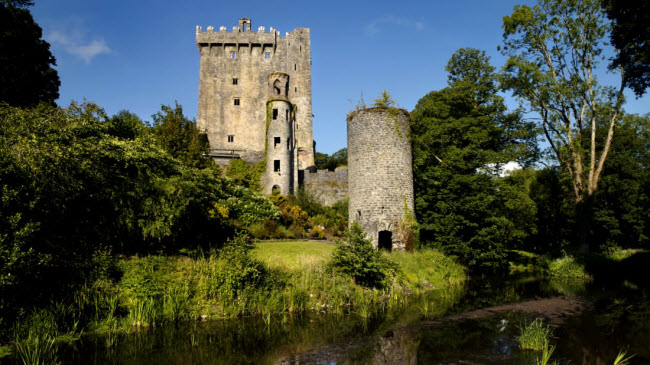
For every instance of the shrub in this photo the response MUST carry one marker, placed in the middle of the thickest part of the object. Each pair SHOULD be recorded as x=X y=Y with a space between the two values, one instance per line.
x=360 y=260
x=567 y=267
x=317 y=233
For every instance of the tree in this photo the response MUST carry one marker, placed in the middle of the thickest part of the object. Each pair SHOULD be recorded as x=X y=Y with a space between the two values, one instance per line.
x=26 y=73
x=180 y=137
x=631 y=37
x=460 y=134
x=554 y=51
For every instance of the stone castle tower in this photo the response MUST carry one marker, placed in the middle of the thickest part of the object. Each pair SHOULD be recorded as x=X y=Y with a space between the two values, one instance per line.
x=255 y=99
x=380 y=174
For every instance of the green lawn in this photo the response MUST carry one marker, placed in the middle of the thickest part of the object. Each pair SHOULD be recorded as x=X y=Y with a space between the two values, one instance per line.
x=293 y=255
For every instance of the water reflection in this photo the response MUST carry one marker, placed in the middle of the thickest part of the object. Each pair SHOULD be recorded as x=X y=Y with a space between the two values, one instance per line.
x=440 y=328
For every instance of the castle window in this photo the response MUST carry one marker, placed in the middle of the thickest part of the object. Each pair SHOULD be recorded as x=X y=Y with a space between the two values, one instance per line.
x=233 y=55
x=267 y=55
x=236 y=101
x=300 y=48
x=231 y=138
x=234 y=81
x=295 y=67
x=295 y=89
x=276 y=165
x=275 y=114
x=276 y=141
x=286 y=114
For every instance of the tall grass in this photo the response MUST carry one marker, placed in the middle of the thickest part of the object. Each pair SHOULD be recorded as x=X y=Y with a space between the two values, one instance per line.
x=155 y=290
x=37 y=351
x=534 y=336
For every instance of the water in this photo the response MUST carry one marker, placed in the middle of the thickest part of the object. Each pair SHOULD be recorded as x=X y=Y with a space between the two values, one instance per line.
x=452 y=332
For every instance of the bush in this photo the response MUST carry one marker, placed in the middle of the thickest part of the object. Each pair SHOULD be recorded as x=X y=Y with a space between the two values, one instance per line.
x=360 y=260
x=317 y=233
x=567 y=267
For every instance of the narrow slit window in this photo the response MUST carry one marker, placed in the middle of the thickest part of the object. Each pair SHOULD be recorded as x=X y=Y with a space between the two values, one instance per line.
x=275 y=114
x=236 y=101
x=286 y=114
x=276 y=165
x=295 y=89
x=267 y=55
x=295 y=67
x=276 y=141
x=231 y=138
x=235 y=81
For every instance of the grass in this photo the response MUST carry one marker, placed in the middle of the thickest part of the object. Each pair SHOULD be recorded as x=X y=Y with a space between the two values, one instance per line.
x=534 y=336
x=293 y=255
x=273 y=278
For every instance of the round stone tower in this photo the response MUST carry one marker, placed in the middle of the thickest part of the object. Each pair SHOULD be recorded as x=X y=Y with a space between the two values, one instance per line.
x=280 y=142
x=380 y=175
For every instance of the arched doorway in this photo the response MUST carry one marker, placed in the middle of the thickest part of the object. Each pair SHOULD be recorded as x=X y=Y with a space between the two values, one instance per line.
x=276 y=190
x=385 y=240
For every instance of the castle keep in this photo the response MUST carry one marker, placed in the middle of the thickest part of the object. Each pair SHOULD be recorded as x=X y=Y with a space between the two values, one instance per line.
x=255 y=99
x=255 y=105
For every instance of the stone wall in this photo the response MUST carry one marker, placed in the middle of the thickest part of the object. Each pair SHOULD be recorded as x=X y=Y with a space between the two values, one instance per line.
x=327 y=186
x=233 y=88
x=380 y=173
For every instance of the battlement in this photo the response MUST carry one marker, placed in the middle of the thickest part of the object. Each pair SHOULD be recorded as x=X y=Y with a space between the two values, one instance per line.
x=242 y=36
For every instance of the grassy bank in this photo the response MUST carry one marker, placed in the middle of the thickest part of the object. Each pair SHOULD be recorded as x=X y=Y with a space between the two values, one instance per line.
x=239 y=280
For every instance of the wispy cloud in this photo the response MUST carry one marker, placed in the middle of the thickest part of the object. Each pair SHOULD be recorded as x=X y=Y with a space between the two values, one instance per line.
x=376 y=25
x=75 y=40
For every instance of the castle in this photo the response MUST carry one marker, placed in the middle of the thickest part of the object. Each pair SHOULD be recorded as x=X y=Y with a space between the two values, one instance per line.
x=255 y=105
x=255 y=100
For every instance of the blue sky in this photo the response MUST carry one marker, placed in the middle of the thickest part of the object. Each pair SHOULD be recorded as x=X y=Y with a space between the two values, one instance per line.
x=137 y=55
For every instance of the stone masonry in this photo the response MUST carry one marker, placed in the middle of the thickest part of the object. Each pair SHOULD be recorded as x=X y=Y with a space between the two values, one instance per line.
x=380 y=173
x=328 y=187
x=235 y=86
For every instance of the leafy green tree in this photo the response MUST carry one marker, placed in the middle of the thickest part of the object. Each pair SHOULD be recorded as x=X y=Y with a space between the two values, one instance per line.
x=620 y=207
x=462 y=135
x=325 y=162
x=554 y=51
x=360 y=260
x=180 y=137
x=26 y=74
x=630 y=35
x=126 y=125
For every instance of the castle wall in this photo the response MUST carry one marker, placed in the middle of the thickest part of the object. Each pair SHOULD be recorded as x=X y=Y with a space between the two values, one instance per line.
x=328 y=187
x=233 y=113
x=380 y=172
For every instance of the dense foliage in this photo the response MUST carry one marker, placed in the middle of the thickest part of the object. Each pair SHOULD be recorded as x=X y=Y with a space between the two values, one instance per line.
x=630 y=35
x=26 y=73
x=74 y=182
x=462 y=137
x=323 y=161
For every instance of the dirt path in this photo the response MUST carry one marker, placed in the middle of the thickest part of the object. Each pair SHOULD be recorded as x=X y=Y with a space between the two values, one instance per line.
x=554 y=310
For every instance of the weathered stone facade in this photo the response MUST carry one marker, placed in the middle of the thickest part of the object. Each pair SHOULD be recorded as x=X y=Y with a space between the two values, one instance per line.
x=328 y=187
x=380 y=174
x=242 y=70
